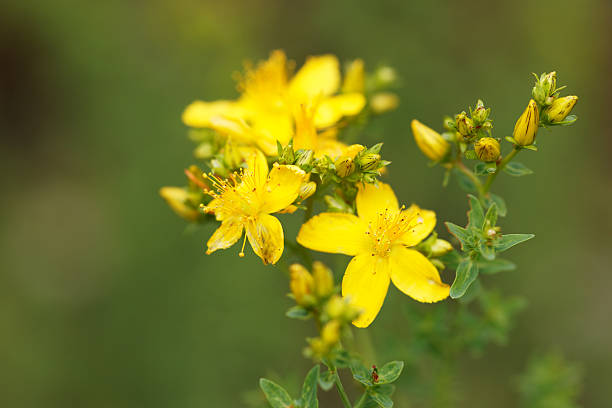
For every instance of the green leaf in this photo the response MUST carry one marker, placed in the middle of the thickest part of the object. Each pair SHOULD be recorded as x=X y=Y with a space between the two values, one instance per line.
x=326 y=380
x=487 y=252
x=451 y=259
x=386 y=390
x=476 y=213
x=298 y=312
x=465 y=183
x=570 y=119
x=309 y=389
x=511 y=140
x=484 y=169
x=383 y=400
x=390 y=372
x=463 y=235
x=361 y=373
x=495 y=266
x=517 y=169
x=509 y=240
x=466 y=273
x=342 y=359
x=491 y=217
x=501 y=204
x=470 y=155
x=531 y=147
x=275 y=394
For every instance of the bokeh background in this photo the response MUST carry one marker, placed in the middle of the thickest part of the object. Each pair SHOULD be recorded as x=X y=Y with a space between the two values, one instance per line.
x=107 y=298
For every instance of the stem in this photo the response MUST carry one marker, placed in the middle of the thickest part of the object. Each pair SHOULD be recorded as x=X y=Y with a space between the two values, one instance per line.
x=340 y=388
x=500 y=167
x=462 y=168
x=361 y=400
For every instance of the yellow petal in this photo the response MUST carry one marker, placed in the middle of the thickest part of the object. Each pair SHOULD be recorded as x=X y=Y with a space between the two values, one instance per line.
x=332 y=109
x=177 y=197
x=235 y=128
x=282 y=188
x=269 y=128
x=305 y=132
x=425 y=221
x=337 y=233
x=374 y=199
x=329 y=147
x=413 y=274
x=365 y=283
x=258 y=166
x=265 y=234
x=199 y=113
x=319 y=76
x=226 y=235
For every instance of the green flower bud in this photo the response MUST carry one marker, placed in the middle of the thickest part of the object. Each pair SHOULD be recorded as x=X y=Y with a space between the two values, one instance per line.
x=304 y=159
x=431 y=143
x=369 y=161
x=560 y=108
x=336 y=204
x=526 y=126
x=480 y=114
x=545 y=87
x=286 y=155
x=440 y=247
x=487 y=149
x=344 y=166
x=464 y=124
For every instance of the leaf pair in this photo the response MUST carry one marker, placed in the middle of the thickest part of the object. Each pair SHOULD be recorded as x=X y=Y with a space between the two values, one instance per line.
x=278 y=397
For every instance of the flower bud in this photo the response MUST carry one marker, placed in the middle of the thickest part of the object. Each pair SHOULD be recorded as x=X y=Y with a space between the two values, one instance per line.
x=369 y=161
x=527 y=125
x=354 y=77
x=385 y=76
x=301 y=284
x=178 y=200
x=382 y=102
x=560 y=108
x=336 y=204
x=440 y=247
x=344 y=166
x=330 y=334
x=480 y=114
x=306 y=190
x=465 y=125
x=487 y=149
x=323 y=280
x=304 y=159
x=429 y=141
x=335 y=307
x=286 y=155
x=544 y=88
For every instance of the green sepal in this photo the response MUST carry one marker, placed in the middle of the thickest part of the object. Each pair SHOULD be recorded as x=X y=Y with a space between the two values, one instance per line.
x=275 y=394
x=466 y=273
x=495 y=266
x=390 y=372
x=531 y=147
x=464 y=236
x=570 y=119
x=476 y=213
x=326 y=380
x=298 y=312
x=507 y=241
x=361 y=373
x=309 y=389
x=517 y=169
x=511 y=140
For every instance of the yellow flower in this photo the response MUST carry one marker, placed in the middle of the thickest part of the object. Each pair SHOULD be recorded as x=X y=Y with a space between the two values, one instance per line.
x=245 y=202
x=526 y=126
x=431 y=143
x=380 y=240
x=264 y=113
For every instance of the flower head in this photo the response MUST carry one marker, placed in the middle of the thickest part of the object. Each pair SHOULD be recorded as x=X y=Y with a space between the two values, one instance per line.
x=245 y=202
x=379 y=238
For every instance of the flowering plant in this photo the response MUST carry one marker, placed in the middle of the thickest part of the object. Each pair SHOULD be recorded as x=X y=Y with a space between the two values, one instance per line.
x=282 y=147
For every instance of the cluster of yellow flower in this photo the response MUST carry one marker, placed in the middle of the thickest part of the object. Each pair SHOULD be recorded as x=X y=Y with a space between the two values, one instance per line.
x=278 y=143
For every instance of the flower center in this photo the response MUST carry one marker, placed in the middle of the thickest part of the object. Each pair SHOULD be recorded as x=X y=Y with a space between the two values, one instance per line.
x=237 y=195
x=388 y=227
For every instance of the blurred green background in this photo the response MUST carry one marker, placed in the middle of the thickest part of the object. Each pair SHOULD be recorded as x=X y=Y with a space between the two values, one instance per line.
x=107 y=298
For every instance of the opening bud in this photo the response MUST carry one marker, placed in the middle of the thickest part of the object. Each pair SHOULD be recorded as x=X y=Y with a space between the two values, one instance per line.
x=560 y=108
x=480 y=114
x=344 y=166
x=545 y=87
x=431 y=143
x=487 y=149
x=464 y=124
x=526 y=126
x=369 y=161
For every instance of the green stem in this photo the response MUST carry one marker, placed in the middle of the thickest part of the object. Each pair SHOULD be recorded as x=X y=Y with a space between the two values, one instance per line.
x=462 y=168
x=500 y=167
x=340 y=388
x=359 y=403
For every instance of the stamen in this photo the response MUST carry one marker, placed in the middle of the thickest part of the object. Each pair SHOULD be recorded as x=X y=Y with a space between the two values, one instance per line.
x=241 y=254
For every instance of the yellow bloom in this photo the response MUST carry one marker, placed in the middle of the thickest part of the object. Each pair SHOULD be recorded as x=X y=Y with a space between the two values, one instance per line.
x=431 y=143
x=379 y=239
x=264 y=114
x=526 y=126
x=245 y=202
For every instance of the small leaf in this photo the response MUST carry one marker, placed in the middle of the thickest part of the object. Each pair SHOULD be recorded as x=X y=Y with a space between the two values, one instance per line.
x=509 y=240
x=386 y=390
x=568 y=120
x=298 y=312
x=464 y=236
x=342 y=359
x=531 y=147
x=309 y=389
x=491 y=217
x=381 y=399
x=390 y=372
x=465 y=183
x=495 y=266
x=466 y=273
x=517 y=169
x=501 y=204
x=487 y=252
x=275 y=394
x=476 y=213
x=511 y=140
x=361 y=373
x=326 y=380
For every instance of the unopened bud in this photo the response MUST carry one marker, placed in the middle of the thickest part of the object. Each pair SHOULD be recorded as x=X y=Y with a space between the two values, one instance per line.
x=335 y=307
x=385 y=76
x=487 y=149
x=440 y=247
x=304 y=159
x=354 y=77
x=431 y=143
x=560 y=108
x=336 y=204
x=369 y=161
x=382 y=102
x=301 y=284
x=465 y=125
x=323 y=280
x=480 y=114
x=344 y=166
x=306 y=190
x=544 y=88
x=286 y=155
x=527 y=125
x=178 y=200
x=330 y=334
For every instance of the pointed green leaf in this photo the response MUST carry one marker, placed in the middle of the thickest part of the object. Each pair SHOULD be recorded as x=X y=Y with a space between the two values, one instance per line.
x=517 y=169
x=464 y=236
x=383 y=400
x=275 y=394
x=509 y=240
x=386 y=390
x=495 y=266
x=501 y=204
x=361 y=373
x=309 y=389
x=298 y=312
x=476 y=213
x=466 y=273
x=487 y=252
x=491 y=217
x=326 y=380
x=570 y=119
x=390 y=372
